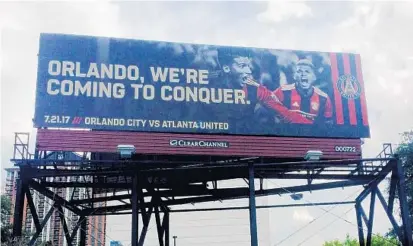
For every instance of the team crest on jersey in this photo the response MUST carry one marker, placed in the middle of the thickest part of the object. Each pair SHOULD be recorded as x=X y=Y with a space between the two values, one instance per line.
x=349 y=87
x=315 y=106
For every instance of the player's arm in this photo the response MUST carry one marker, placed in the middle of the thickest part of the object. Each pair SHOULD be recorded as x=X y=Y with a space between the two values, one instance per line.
x=326 y=114
x=272 y=101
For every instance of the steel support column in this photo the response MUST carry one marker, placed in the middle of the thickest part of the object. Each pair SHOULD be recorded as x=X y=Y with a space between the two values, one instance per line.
x=162 y=226
x=404 y=208
x=44 y=222
x=166 y=227
x=360 y=224
x=252 y=207
x=146 y=218
x=64 y=225
x=18 y=207
x=83 y=228
x=371 y=215
x=135 y=212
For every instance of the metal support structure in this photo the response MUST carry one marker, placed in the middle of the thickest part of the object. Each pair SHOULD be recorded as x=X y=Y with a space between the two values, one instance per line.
x=77 y=226
x=135 y=214
x=83 y=228
x=404 y=209
x=32 y=208
x=174 y=183
x=146 y=218
x=371 y=216
x=162 y=225
x=252 y=207
x=404 y=231
x=359 y=223
x=65 y=228
x=44 y=222
x=166 y=226
x=18 y=208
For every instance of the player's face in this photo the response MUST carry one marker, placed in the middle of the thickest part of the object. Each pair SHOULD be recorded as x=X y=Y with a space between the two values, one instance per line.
x=304 y=76
x=241 y=69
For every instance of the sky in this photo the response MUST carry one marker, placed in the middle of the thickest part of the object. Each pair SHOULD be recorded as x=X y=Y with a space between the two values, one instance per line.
x=379 y=31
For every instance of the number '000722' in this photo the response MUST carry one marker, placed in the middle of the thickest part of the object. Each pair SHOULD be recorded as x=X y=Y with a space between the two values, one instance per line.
x=345 y=149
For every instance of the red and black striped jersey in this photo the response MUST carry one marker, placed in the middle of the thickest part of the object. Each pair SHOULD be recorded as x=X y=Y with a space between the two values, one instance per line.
x=316 y=106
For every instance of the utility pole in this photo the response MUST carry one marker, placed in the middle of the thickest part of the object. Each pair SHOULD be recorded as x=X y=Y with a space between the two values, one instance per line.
x=175 y=237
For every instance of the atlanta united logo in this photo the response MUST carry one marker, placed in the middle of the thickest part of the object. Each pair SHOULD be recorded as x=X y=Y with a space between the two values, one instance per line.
x=349 y=87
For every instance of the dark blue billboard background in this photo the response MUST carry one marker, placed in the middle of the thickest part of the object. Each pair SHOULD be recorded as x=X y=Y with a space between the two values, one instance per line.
x=120 y=84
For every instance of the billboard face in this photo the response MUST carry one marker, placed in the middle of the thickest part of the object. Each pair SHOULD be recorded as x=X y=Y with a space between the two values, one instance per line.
x=121 y=84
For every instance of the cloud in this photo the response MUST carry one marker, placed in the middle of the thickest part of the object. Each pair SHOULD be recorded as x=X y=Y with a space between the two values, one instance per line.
x=282 y=11
x=378 y=31
x=20 y=25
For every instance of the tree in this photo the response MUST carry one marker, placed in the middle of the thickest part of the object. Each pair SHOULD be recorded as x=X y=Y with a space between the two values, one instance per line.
x=405 y=153
x=7 y=227
x=5 y=218
x=376 y=240
x=5 y=209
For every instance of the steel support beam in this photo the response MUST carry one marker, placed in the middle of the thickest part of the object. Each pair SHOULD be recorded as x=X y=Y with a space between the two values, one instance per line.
x=44 y=222
x=159 y=226
x=379 y=177
x=162 y=226
x=404 y=208
x=101 y=199
x=390 y=215
x=135 y=212
x=18 y=207
x=166 y=227
x=392 y=191
x=360 y=224
x=83 y=228
x=54 y=197
x=371 y=216
x=77 y=226
x=312 y=176
x=252 y=207
x=64 y=224
x=261 y=207
x=146 y=219
x=205 y=172
x=232 y=193
x=32 y=208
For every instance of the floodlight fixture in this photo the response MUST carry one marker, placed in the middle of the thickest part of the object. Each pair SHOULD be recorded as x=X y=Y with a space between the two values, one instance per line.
x=296 y=196
x=313 y=155
x=126 y=150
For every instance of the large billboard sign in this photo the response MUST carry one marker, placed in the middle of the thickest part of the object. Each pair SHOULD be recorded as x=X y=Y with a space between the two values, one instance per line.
x=134 y=85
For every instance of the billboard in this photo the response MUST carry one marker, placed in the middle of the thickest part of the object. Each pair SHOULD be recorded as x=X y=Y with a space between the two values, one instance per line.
x=134 y=85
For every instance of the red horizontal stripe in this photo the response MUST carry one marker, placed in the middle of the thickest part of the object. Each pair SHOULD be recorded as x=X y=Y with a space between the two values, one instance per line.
x=158 y=143
x=96 y=135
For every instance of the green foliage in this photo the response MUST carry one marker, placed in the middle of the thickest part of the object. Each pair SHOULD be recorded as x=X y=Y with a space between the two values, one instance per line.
x=376 y=240
x=405 y=153
x=5 y=206
x=5 y=209
x=347 y=242
x=7 y=228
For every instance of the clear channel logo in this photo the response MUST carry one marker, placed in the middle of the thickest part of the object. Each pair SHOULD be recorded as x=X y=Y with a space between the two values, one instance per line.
x=198 y=143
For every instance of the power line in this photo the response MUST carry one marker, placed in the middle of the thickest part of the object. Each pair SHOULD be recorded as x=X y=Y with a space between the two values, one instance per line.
x=326 y=211
x=301 y=228
x=308 y=238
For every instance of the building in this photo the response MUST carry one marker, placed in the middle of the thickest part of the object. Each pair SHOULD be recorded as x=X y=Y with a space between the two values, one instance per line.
x=53 y=230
